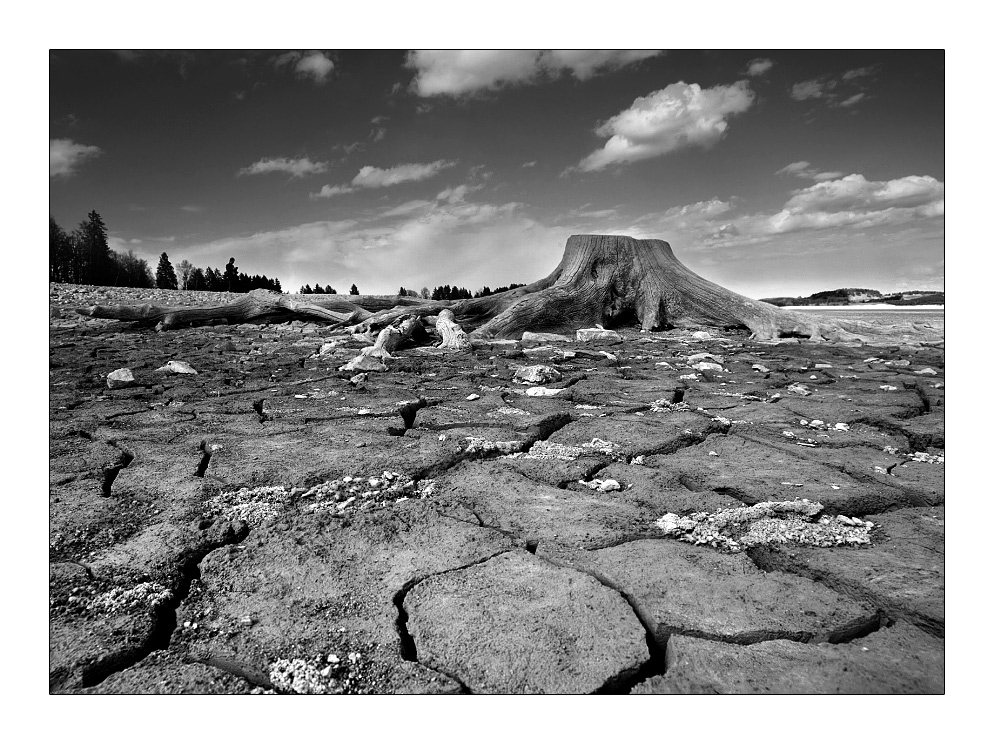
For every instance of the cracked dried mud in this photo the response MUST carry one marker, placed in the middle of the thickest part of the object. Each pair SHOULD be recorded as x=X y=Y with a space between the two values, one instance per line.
x=271 y=524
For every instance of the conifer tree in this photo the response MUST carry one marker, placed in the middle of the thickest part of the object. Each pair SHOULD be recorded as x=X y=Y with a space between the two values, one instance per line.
x=165 y=275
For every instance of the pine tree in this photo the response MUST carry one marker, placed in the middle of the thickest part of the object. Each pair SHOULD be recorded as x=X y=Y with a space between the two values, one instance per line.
x=328 y=289
x=93 y=252
x=165 y=275
x=402 y=292
x=354 y=290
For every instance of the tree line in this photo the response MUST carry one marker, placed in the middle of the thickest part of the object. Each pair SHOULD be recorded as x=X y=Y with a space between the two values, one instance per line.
x=84 y=256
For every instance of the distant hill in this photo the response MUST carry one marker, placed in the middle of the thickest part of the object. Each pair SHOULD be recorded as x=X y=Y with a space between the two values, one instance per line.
x=853 y=296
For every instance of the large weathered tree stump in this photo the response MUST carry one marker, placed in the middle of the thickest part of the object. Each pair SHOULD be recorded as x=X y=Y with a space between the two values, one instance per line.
x=609 y=280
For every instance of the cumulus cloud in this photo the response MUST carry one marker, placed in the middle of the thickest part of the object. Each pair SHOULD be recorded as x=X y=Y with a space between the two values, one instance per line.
x=460 y=72
x=314 y=65
x=676 y=117
x=327 y=191
x=849 y=202
x=370 y=177
x=759 y=67
x=65 y=156
x=296 y=168
x=803 y=169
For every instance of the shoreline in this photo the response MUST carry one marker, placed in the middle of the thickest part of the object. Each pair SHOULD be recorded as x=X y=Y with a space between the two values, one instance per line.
x=867 y=306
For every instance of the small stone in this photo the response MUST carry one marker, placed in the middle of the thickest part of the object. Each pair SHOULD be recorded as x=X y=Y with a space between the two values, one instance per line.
x=473 y=396
x=609 y=484
x=177 y=368
x=538 y=373
x=542 y=392
x=121 y=378
x=701 y=335
x=597 y=334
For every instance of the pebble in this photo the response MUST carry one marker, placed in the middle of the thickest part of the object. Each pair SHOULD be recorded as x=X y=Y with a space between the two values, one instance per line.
x=121 y=378
x=473 y=396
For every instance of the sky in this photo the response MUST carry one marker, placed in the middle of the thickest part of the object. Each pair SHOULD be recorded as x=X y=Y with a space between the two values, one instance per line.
x=772 y=173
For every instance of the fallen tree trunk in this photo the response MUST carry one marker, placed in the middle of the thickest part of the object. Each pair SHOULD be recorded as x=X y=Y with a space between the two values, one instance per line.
x=609 y=280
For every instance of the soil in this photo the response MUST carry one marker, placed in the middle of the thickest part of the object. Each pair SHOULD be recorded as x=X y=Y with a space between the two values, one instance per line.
x=272 y=524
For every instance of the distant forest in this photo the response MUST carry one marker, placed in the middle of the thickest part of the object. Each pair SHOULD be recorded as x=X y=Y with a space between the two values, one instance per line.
x=850 y=296
x=84 y=256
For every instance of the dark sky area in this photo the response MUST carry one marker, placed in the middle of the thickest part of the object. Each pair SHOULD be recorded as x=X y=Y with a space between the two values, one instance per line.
x=770 y=172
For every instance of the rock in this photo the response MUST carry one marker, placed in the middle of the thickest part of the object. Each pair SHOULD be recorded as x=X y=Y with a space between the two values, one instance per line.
x=364 y=363
x=545 y=337
x=598 y=334
x=761 y=368
x=538 y=373
x=177 y=368
x=473 y=396
x=542 y=391
x=227 y=345
x=708 y=367
x=694 y=358
x=359 y=379
x=121 y=378
x=701 y=335
x=926 y=371
x=328 y=347
x=517 y=624
x=896 y=660
x=695 y=590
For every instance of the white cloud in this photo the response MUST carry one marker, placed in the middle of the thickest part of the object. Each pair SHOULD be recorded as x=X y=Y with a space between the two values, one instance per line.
x=464 y=244
x=859 y=72
x=459 y=72
x=453 y=72
x=759 y=67
x=830 y=89
x=803 y=169
x=585 y=63
x=370 y=177
x=853 y=100
x=65 y=156
x=529 y=164
x=192 y=208
x=457 y=194
x=855 y=193
x=676 y=117
x=327 y=191
x=314 y=65
x=296 y=168
x=810 y=89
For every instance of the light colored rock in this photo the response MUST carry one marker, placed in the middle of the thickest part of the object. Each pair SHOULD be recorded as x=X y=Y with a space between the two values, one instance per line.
x=701 y=335
x=537 y=374
x=542 y=392
x=707 y=366
x=897 y=660
x=473 y=396
x=517 y=624
x=177 y=368
x=545 y=337
x=121 y=378
x=364 y=363
x=597 y=334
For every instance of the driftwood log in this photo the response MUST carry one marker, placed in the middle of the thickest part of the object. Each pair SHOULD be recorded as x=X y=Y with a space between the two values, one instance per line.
x=609 y=280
